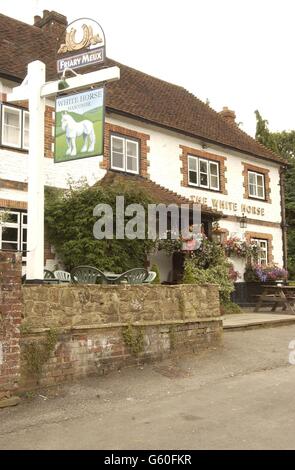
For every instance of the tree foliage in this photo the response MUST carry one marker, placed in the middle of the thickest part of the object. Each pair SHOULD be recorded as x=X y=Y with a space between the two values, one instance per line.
x=283 y=143
x=69 y=223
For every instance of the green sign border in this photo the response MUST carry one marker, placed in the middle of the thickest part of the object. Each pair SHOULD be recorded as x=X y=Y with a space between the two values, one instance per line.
x=103 y=124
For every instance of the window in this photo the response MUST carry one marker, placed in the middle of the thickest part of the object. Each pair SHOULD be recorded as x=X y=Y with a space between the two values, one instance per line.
x=11 y=126
x=26 y=123
x=124 y=154
x=203 y=173
x=256 y=185
x=263 y=251
x=14 y=127
x=13 y=232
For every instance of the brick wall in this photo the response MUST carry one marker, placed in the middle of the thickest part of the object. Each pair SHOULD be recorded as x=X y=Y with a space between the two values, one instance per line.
x=49 y=127
x=10 y=319
x=89 y=322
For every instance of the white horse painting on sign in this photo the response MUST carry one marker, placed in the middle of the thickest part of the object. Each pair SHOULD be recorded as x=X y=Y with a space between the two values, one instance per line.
x=73 y=130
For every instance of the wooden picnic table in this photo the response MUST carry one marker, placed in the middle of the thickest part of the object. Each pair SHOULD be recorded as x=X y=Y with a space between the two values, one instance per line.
x=275 y=296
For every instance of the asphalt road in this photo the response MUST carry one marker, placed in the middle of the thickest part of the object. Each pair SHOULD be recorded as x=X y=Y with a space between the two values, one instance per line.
x=239 y=396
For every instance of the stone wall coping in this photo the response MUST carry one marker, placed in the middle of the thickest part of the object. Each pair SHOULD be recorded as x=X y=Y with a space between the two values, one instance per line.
x=98 y=326
x=113 y=286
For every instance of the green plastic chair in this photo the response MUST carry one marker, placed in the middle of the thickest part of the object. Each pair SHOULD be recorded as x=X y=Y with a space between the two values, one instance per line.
x=48 y=274
x=133 y=276
x=151 y=276
x=88 y=275
x=63 y=276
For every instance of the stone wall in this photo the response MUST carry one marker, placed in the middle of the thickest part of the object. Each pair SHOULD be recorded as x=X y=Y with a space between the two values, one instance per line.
x=10 y=319
x=90 y=329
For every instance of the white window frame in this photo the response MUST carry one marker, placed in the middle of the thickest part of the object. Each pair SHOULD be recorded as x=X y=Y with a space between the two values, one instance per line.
x=113 y=167
x=19 y=225
x=208 y=176
x=208 y=162
x=256 y=184
x=191 y=158
x=216 y=164
x=125 y=140
x=258 y=242
x=11 y=225
x=22 y=228
x=25 y=113
x=135 y=172
x=8 y=144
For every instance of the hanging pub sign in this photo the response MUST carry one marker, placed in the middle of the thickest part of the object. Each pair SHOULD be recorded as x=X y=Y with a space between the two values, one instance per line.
x=82 y=44
x=79 y=125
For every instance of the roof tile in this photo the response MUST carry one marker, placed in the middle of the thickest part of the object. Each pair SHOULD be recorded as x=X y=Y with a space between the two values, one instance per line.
x=137 y=94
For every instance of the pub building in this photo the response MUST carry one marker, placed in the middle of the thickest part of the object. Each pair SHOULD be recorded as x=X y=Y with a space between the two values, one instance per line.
x=157 y=134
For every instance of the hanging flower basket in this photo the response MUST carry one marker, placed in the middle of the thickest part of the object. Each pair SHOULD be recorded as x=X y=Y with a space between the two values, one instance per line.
x=234 y=246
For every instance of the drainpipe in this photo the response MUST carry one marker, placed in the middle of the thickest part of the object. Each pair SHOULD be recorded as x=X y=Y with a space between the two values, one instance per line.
x=283 y=214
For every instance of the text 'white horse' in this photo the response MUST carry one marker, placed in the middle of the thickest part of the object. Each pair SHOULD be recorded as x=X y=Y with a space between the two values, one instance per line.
x=75 y=129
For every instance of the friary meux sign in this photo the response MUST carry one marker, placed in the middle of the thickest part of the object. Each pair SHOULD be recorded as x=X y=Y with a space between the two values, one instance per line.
x=79 y=125
x=82 y=44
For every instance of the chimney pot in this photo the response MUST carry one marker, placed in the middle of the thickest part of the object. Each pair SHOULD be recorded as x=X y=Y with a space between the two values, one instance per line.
x=37 y=18
x=51 y=22
x=228 y=115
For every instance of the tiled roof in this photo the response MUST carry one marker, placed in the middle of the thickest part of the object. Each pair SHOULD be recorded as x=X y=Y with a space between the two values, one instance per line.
x=137 y=94
x=158 y=193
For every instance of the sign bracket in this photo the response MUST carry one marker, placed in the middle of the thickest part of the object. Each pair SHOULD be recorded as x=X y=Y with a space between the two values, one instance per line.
x=35 y=89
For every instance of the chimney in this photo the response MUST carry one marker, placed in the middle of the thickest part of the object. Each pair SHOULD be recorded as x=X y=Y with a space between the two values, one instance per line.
x=228 y=115
x=51 y=22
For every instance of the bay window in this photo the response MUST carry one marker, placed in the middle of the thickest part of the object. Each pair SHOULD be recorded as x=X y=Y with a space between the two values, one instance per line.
x=203 y=173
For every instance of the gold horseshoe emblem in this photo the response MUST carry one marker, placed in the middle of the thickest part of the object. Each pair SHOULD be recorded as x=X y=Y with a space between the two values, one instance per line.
x=87 y=40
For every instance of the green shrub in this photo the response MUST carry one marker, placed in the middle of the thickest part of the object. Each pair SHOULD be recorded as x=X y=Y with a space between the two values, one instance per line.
x=155 y=269
x=210 y=265
x=229 y=308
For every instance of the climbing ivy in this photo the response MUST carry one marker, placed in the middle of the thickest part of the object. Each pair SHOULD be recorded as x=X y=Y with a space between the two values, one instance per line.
x=37 y=354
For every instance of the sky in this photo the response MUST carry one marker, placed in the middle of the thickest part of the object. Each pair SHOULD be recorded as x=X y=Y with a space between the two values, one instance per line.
x=235 y=53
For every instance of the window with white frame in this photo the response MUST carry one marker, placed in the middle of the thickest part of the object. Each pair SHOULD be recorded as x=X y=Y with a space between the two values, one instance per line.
x=26 y=123
x=14 y=127
x=124 y=154
x=203 y=173
x=256 y=185
x=13 y=232
x=262 y=258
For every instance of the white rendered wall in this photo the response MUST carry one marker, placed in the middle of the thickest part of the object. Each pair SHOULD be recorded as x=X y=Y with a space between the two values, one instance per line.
x=165 y=169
